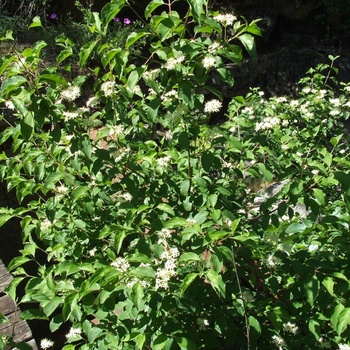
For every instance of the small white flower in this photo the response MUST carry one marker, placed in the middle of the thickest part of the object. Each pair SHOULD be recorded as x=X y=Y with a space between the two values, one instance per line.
x=344 y=347
x=315 y=171
x=71 y=93
x=108 y=88
x=334 y=112
x=116 y=130
x=92 y=251
x=9 y=105
x=169 y=96
x=212 y=106
x=313 y=248
x=173 y=62
x=294 y=103
x=191 y=221
x=120 y=264
x=290 y=328
x=281 y=99
x=73 y=332
x=214 y=47
x=279 y=341
x=61 y=189
x=335 y=102
x=164 y=161
x=126 y=196
x=151 y=74
x=46 y=343
x=226 y=19
x=209 y=61
x=92 y=102
x=45 y=225
x=168 y=135
x=70 y=115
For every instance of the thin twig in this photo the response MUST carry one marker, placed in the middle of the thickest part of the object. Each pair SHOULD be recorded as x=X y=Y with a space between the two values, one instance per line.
x=243 y=300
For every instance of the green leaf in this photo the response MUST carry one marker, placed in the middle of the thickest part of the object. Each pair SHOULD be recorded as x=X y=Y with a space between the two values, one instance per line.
x=166 y=208
x=152 y=5
x=135 y=36
x=217 y=282
x=85 y=52
x=184 y=187
x=296 y=228
x=4 y=218
x=254 y=324
x=185 y=344
x=80 y=192
x=11 y=84
x=312 y=288
x=218 y=235
x=344 y=320
x=137 y=295
x=188 y=257
x=328 y=282
x=118 y=240
x=320 y=196
x=160 y=342
x=110 y=11
x=52 y=179
x=197 y=9
x=36 y=22
x=315 y=329
x=187 y=281
x=249 y=43
x=33 y=314
x=335 y=316
x=50 y=306
x=18 y=261
x=210 y=161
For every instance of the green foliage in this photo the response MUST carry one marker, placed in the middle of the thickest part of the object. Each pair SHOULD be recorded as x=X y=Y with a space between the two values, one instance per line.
x=152 y=229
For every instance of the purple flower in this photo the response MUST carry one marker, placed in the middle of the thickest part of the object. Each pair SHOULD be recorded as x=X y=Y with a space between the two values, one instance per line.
x=53 y=16
x=116 y=19
x=127 y=21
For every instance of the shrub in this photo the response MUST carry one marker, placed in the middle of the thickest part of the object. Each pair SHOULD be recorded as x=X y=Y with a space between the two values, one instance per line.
x=153 y=230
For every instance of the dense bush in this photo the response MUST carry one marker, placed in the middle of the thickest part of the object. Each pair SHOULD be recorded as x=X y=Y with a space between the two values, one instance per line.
x=151 y=229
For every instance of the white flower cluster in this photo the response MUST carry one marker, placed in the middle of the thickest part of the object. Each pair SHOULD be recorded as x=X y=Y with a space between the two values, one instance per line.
x=272 y=261
x=71 y=93
x=208 y=62
x=45 y=225
x=173 y=62
x=121 y=264
x=116 y=130
x=151 y=74
x=214 y=47
x=279 y=341
x=226 y=19
x=169 y=96
x=212 y=106
x=290 y=327
x=9 y=105
x=108 y=88
x=92 y=102
x=168 y=270
x=46 y=344
x=168 y=134
x=73 y=332
x=61 y=189
x=126 y=196
x=163 y=235
x=268 y=123
x=70 y=115
x=131 y=282
x=344 y=347
x=164 y=161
